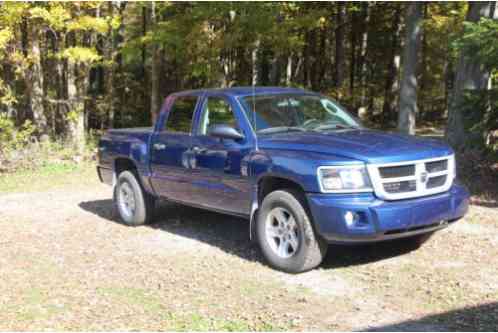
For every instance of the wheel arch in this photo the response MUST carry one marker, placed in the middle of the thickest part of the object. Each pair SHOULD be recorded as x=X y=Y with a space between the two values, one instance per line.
x=265 y=185
x=124 y=164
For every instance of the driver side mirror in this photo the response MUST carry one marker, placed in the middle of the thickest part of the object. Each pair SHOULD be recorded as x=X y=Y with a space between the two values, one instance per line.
x=224 y=131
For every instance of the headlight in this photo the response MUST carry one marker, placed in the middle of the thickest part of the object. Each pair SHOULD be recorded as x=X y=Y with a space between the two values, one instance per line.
x=344 y=179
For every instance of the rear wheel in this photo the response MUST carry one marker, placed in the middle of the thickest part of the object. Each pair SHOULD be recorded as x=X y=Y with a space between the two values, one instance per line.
x=132 y=203
x=285 y=234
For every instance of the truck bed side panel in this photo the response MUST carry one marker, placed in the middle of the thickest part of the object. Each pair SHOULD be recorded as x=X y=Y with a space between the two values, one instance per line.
x=127 y=144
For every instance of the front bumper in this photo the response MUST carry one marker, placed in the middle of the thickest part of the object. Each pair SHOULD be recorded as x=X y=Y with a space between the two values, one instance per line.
x=378 y=220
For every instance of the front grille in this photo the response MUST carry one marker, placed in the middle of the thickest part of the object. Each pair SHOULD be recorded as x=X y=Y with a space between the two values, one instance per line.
x=397 y=171
x=412 y=179
x=436 y=181
x=436 y=166
x=401 y=187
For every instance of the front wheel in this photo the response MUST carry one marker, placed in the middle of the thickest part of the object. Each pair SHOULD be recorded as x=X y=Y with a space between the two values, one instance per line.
x=285 y=234
x=134 y=205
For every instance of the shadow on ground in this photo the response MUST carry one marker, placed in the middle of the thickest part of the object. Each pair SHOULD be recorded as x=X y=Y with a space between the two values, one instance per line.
x=477 y=318
x=231 y=234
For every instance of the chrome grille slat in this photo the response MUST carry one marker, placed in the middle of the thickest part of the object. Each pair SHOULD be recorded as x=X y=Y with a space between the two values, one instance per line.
x=412 y=179
x=436 y=181
x=401 y=187
x=397 y=171
x=436 y=166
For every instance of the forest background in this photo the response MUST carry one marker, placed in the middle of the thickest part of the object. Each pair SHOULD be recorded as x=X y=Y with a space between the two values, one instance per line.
x=68 y=71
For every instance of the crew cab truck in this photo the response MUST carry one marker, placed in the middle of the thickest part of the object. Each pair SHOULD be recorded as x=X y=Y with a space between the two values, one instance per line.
x=303 y=170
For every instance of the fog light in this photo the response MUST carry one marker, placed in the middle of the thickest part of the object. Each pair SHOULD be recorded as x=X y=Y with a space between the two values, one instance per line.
x=351 y=218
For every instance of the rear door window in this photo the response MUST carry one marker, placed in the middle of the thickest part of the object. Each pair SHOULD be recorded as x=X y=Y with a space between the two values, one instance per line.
x=181 y=114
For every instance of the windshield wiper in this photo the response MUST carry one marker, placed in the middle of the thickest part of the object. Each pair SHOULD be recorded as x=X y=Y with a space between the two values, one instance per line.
x=333 y=127
x=280 y=129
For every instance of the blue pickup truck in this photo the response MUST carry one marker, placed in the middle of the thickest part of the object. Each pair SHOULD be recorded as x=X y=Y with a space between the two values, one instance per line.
x=303 y=170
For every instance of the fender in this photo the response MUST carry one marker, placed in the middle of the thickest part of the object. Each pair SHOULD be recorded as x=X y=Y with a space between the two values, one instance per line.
x=255 y=198
x=137 y=156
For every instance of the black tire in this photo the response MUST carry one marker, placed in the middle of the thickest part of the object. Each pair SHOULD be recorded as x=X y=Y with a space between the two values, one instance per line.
x=144 y=203
x=311 y=249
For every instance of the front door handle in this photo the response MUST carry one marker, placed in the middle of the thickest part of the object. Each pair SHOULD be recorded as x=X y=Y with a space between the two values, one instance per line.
x=159 y=146
x=198 y=150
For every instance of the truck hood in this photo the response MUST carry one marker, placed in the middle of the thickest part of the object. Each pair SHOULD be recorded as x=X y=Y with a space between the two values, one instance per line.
x=369 y=146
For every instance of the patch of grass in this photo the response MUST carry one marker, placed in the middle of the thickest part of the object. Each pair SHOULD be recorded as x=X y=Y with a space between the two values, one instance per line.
x=35 y=306
x=49 y=176
x=134 y=296
x=197 y=322
x=190 y=321
x=252 y=288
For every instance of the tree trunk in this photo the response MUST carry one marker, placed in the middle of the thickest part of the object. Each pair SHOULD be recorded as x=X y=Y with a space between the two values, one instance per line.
x=306 y=60
x=470 y=75
x=76 y=115
x=154 y=75
x=313 y=65
x=35 y=83
x=145 y=74
x=288 y=70
x=275 y=70
x=254 y=63
x=109 y=79
x=352 y=67
x=408 y=91
x=362 y=61
x=225 y=81
x=60 y=86
x=423 y=70
x=449 y=80
x=122 y=87
x=392 y=79
x=322 y=59
x=339 y=45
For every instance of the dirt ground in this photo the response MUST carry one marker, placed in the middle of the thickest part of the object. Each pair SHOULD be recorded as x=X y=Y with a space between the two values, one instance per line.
x=65 y=264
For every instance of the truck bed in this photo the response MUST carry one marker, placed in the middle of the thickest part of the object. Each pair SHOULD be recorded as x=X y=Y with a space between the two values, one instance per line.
x=132 y=130
x=123 y=143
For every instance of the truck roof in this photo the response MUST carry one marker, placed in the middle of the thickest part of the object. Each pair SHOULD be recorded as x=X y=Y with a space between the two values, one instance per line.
x=245 y=91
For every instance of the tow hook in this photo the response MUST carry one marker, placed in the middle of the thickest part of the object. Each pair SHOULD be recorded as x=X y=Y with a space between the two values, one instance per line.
x=443 y=223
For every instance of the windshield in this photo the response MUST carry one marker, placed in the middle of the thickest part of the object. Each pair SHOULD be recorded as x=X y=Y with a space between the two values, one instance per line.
x=284 y=113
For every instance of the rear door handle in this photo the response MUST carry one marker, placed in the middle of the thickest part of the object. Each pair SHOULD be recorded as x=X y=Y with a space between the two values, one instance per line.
x=159 y=146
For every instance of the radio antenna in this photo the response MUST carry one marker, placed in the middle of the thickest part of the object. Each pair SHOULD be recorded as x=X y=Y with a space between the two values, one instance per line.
x=254 y=107
x=254 y=81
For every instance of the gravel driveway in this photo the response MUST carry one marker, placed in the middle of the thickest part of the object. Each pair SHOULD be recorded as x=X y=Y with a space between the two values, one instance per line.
x=65 y=264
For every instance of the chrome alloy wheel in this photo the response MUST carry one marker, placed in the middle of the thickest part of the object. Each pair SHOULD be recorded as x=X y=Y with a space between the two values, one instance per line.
x=282 y=233
x=126 y=200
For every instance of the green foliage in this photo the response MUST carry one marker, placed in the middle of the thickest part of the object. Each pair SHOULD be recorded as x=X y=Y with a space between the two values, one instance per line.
x=7 y=97
x=211 y=44
x=5 y=36
x=13 y=138
x=442 y=25
x=479 y=41
x=81 y=55
x=88 y=23
x=58 y=16
x=480 y=108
